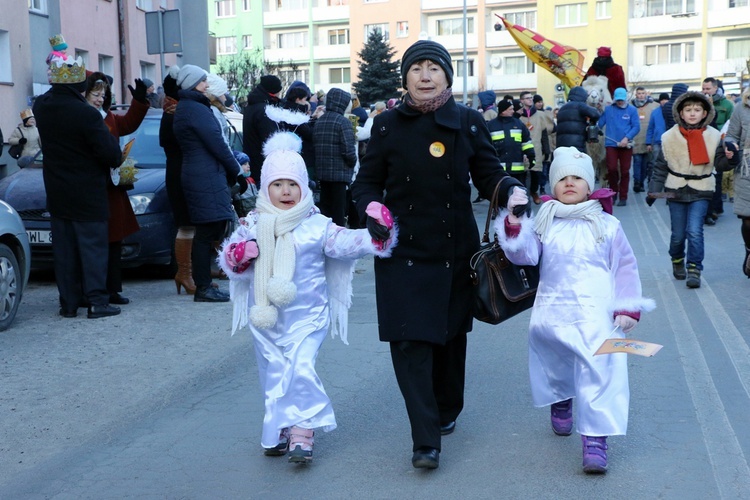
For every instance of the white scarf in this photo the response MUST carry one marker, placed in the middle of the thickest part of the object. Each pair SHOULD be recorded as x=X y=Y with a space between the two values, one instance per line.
x=590 y=211
x=274 y=268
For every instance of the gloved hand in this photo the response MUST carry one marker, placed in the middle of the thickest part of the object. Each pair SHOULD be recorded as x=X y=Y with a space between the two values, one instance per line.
x=23 y=140
x=239 y=256
x=170 y=87
x=379 y=223
x=377 y=231
x=518 y=201
x=242 y=183
x=650 y=200
x=139 y=92
x=625 y=322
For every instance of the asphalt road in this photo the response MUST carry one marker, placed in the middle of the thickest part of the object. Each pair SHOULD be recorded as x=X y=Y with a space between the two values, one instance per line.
x=161 y=402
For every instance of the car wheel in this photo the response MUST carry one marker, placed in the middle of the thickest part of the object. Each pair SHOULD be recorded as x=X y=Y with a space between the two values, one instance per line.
x=11 y=287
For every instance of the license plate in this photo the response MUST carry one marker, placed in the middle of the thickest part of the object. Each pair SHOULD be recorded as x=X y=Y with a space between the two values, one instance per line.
x=40 y=237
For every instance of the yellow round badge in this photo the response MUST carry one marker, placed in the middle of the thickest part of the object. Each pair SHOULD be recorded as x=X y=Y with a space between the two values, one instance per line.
x=437 y=149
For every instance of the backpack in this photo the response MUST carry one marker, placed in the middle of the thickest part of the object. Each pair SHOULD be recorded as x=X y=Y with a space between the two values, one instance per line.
x=15 y=150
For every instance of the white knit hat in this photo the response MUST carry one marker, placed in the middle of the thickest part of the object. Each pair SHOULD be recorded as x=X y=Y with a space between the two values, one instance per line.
x=283 y=161
x=190 y=76
x=570 y=161
x=217 y=86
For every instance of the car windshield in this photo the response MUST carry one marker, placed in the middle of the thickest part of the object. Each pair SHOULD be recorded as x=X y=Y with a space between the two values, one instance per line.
x=146 y=150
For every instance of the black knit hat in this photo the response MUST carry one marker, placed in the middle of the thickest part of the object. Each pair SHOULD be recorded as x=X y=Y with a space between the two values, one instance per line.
x=503 y=104
x=663 y=97
x=270 y=83
x=538 y=98
x=427 y=50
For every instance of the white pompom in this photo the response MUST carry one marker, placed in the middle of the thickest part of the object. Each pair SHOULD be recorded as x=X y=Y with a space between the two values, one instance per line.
x=263 y=317
x=280 y=291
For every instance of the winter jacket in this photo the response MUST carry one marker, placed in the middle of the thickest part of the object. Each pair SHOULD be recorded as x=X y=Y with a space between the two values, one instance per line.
x=656 y=127
x=538 y=122
x=512 y=141
x=333 y=136
x=173 y=176
x=739 y=133
x=79 y=152
x=619 y=122
x=256 y=128
x=418 y=165
x=208 y=165
x=723 y=107
x=644 y=114
x=677 y=90
x=606 y=66
x=573 y=118
x=31 y=134
x=674 y=173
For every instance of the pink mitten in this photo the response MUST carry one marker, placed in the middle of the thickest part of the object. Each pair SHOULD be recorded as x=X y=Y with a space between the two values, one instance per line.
x=240 y=255
x=380 y=214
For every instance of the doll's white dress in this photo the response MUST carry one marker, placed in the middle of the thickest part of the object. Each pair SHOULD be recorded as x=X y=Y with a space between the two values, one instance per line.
x=582 y=284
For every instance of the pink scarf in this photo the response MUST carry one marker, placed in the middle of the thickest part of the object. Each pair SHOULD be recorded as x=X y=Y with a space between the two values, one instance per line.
x=431 y=105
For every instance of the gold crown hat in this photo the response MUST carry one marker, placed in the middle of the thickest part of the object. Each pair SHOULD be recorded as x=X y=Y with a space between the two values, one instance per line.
x=64 y=72
x=58 y=42
x=26 y=113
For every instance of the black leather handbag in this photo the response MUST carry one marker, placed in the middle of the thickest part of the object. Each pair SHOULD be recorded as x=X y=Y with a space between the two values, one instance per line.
x=501 y=289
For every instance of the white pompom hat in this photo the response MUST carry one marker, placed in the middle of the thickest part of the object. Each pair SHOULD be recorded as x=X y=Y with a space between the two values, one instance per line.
x=283 y=161
x=570 y=161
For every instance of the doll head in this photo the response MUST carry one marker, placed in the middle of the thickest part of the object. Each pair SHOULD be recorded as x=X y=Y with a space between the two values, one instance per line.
x=571 y=176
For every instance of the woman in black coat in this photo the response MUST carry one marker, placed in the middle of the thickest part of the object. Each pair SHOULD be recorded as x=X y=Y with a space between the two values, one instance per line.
x=421 y=155
x=208 y=171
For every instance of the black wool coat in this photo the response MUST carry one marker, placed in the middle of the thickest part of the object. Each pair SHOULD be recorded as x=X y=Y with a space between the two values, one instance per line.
x=257 y=128
x=418 y=165
x=79 y=152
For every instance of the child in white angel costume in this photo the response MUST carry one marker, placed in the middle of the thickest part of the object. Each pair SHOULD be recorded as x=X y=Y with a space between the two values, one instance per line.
x=290 y=271
x=589 y=284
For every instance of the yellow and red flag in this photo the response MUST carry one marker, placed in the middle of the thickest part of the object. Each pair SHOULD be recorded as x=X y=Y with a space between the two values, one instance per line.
x=563 y=61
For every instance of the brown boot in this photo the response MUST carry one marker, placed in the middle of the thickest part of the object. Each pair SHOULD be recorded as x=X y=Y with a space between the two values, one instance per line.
x=184 y=277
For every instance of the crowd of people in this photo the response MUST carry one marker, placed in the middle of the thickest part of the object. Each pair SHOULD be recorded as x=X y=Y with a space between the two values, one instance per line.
x=331 y=182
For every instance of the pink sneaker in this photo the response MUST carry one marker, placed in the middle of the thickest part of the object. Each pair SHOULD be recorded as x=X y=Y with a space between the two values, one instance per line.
x=561 y=415
x=300 y=445
x=594 y=454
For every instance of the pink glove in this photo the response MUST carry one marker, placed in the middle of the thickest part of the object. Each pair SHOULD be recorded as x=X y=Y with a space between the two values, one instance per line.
x=625 y=322
x=382 y=216
x=517 y=198
x=239 y=256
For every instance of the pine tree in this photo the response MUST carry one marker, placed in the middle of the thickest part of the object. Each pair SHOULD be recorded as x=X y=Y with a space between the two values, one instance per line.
x=379 y=77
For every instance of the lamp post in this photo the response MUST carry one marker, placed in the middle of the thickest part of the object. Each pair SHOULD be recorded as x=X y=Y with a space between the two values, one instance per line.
x=465 y=60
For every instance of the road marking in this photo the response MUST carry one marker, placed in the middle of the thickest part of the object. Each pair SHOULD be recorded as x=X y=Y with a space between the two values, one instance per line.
x=731 y=471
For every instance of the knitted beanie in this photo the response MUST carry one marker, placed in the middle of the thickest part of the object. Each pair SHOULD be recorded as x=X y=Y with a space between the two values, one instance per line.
x=217 y=86
x=190 y=76
x=270 y=83
x=283 y=161
x=570 y=161
x=424 y=50
x=503 y=104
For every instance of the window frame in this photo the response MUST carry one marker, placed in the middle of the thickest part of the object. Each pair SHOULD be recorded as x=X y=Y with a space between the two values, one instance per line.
x=582 y=15
x=345 y=77
x=456 y=26
x=346 y=34
x=662 y=53
x=225 y=40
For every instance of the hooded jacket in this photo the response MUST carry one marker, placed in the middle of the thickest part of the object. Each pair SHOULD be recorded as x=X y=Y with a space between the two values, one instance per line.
x=573 y=118
x=257 y=127
x=335 y=146
x=677 y=90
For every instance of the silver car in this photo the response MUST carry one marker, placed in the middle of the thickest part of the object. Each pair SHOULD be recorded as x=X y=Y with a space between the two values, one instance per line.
x=15 y=263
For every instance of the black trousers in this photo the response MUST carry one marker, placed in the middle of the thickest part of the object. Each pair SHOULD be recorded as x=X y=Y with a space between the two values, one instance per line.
x=333 y=201
x=80 y=252
x=114 y=268
x=431 y=378
x=203 y=246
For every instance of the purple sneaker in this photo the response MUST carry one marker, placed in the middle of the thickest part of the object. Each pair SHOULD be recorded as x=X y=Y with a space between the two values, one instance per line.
x=594 y=454
x=561 y=415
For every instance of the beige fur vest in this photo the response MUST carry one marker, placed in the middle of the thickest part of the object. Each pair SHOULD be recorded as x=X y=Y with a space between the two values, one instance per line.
x=675 y=149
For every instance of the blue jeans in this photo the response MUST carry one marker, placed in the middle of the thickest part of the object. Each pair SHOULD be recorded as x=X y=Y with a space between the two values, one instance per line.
x=687 y=223
x=640 y=167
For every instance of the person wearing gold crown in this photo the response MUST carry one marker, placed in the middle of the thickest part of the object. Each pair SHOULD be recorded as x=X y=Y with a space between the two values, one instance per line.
x=26 y=134
x=79 y=151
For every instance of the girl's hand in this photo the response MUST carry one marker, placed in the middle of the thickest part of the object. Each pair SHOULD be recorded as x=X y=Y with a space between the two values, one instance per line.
x=625 y=322
x=518 y=198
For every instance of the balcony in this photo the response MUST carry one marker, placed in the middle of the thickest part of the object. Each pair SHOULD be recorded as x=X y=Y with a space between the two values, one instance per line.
x=726 y=17
x=502 y=83
x=664 y=72
x=322 y=53
x=278 y=18
x=294 y=54
x=330 y=14
x=456 y=42
x=662 y=25
x=499 y=39
x=472 y=84
x=447 y=4
x=719 y=68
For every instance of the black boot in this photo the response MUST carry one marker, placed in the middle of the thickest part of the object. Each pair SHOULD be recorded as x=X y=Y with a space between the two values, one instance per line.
x=210 y=294
x=746 y=263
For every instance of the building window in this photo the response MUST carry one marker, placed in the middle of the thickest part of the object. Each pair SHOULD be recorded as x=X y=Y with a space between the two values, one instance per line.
x=246 y=5
x=226 y=45
x=339 y=75
x=526 y=19
x=574 y=14
x=292 y=40
x=518 y=65
x=291 y=4
x=454 y=26
x=5 y=68
x=144 y=5
x=459 y=65
x=148 y=70
x=738 y=3
x=338 y=37
x=247 y=42
x=337 y=3
x=224 y=8
x=670 y=53
x=84 y=55
x=383 y=28
x=738 y=48
x=38 y=6
x=290 y=76
x=669 y=7
x=402 y=29
x=106 y=64
x=604 y=9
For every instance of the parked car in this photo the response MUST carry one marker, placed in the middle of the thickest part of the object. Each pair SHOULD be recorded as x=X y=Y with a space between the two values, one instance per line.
x=15 y=263
x=153 y=244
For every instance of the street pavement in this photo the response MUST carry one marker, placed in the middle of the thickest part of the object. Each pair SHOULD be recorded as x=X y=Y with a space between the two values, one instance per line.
x=161 y=402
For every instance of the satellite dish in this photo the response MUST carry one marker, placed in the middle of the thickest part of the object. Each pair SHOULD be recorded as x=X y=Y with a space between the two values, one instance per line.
x=496 y=61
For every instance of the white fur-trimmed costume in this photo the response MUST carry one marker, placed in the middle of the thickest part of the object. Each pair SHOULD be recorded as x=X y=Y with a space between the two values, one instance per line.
x=583 y=283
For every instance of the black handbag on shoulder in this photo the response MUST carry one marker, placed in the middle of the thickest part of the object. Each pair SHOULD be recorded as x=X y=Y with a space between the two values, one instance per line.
x=16 y=150
x=501 y=289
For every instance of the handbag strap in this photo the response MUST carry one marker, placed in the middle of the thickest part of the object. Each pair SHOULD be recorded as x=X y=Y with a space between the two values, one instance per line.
x=490 y=212
x=21 y=131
